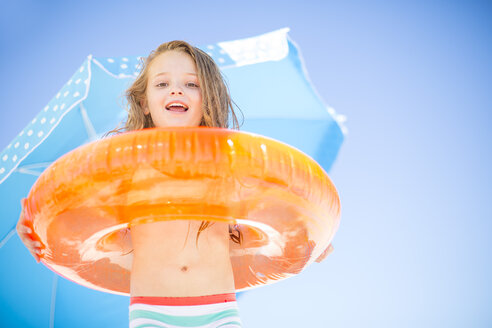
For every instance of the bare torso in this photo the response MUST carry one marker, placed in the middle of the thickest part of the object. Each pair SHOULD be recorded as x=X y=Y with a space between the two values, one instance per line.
x=166 y=261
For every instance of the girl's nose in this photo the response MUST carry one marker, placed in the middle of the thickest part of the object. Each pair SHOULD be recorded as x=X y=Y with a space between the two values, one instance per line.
x=176 y=90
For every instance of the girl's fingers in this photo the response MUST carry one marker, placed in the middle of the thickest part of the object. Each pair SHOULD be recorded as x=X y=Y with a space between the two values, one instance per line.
x=35 y=246
x=32 y=245
x=36 y=254
x=25 y=230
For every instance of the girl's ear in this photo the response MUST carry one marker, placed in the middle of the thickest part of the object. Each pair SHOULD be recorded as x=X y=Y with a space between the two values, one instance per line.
x=143 y=104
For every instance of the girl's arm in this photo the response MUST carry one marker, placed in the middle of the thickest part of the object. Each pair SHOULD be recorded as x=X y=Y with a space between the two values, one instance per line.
x=24 y=232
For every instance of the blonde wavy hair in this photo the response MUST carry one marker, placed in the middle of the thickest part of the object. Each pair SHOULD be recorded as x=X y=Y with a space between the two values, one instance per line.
x=216 y=101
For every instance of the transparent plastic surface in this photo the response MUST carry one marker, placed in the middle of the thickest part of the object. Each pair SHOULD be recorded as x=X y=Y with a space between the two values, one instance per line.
x=281 y=200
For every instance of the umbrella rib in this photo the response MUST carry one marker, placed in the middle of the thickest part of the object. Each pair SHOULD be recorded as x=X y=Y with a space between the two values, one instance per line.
x=91 y=132
x=55 y=281
x=120 y=76
x=7 y=237
x=37 y=165
x=27 y=169
x=53 y=300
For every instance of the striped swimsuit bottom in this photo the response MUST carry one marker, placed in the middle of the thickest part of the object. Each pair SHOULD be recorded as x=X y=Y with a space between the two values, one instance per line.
x=211 y=311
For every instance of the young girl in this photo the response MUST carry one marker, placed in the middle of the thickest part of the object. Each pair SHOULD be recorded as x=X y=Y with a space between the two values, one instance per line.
x=177 y=281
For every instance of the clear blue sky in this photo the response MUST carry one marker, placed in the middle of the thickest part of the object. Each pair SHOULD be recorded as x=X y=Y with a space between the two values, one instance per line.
x=414 y=174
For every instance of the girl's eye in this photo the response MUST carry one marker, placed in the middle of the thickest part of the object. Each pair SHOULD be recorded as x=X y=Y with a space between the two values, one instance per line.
x=161 y=84
x=192 y=85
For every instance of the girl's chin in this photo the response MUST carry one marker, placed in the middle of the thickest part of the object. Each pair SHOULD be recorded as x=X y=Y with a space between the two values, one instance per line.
x=176 y=123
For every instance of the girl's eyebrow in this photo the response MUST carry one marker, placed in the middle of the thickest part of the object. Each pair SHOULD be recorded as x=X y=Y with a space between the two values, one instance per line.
x=164 y=73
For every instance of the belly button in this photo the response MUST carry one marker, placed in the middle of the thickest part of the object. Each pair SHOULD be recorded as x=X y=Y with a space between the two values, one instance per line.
x=184 y=268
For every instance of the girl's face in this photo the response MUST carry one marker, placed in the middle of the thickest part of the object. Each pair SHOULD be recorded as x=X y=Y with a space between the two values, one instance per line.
x=173 y=96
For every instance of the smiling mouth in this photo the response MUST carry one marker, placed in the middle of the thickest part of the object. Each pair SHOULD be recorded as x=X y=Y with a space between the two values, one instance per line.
x=177 y=108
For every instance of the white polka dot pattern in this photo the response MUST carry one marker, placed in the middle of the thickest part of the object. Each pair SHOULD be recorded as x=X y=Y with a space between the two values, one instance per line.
x=272 y=46
x=129 y=67
x=224 y=54
x=40 y=127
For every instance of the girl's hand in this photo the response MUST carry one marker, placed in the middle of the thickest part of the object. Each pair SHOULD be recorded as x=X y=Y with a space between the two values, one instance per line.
x=24 y=233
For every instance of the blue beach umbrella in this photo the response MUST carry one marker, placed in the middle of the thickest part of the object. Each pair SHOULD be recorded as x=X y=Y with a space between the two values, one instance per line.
x=267 y=80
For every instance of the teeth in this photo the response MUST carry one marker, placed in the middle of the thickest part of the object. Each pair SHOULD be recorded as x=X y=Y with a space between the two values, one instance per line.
x=176 y=104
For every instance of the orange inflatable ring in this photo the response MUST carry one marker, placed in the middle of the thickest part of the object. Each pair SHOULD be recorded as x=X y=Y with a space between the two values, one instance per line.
x=280 y=199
